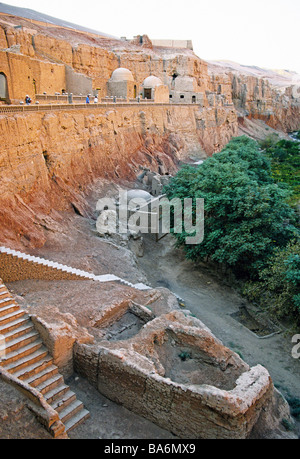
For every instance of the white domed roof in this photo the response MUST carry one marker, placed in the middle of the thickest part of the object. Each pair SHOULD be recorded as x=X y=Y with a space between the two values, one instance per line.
x=122 y=74
x=151 y=82
x=138 y=194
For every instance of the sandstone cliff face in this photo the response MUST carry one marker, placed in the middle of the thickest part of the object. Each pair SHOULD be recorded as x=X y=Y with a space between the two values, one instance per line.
x=92 y=56
x=33 y=56
x=260 y=100
x=267 y=97
x=49 y=159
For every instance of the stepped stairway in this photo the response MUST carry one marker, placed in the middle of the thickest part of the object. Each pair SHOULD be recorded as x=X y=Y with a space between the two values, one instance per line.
x=26 y=357
x=28 y=360
x=67 y=270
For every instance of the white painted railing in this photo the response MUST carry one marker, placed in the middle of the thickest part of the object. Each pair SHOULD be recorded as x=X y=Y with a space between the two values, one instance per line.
x=68 y=269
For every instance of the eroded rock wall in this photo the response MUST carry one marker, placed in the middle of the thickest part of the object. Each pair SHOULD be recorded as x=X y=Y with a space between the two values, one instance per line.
x=49 y=159
x=279 y=109
x=269 y=98
x=40 y=44
x=33 y=57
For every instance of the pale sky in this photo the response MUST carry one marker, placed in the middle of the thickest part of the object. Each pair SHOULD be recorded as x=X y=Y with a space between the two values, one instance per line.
x=265 y=33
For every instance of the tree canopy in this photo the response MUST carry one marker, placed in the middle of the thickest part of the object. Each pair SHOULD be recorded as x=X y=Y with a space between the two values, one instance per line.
x=284 y=156
x=246 y=214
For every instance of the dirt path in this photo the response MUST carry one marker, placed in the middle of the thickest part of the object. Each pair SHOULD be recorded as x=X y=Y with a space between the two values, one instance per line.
x=214 y=304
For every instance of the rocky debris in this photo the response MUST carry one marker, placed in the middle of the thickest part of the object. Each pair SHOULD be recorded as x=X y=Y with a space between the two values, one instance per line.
x=128 y=231
x=154 y=181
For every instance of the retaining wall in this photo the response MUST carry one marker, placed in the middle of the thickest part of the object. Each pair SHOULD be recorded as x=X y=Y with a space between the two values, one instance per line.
x=14 y=269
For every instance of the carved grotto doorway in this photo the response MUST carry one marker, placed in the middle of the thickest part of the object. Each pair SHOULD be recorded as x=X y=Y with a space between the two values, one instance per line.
x=3 y=88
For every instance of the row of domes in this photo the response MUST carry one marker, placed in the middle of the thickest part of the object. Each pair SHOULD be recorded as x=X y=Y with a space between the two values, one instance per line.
x=122 y=74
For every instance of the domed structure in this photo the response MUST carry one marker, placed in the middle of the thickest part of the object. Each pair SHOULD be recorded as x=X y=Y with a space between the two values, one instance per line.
x=121 y=84
x=152 y=82
x=154 y=89
x=121 y=74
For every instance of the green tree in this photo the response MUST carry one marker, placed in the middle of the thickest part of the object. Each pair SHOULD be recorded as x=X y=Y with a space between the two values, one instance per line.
x=246 y=214
x=284 y=156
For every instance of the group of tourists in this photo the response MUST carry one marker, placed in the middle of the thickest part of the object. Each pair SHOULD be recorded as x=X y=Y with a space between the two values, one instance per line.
x=28 y=99
x=88 y=99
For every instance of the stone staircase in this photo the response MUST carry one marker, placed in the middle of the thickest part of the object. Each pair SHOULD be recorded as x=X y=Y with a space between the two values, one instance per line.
x=28 y=360
x=16 y=263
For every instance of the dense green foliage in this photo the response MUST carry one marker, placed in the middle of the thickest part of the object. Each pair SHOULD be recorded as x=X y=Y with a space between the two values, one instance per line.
x=249 y=226
x=246 y=214
x=285 y=162
x=278 y=289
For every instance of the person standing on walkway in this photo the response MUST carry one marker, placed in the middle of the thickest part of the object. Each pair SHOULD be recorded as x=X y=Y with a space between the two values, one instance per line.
x=87 y=101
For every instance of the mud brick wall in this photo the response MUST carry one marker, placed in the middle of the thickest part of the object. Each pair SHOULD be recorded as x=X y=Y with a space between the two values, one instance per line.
x=174 y=407
x=86 y=360
x=13 y=269
x=162 y=402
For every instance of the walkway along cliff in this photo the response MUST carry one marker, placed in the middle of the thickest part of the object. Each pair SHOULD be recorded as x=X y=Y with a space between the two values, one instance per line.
x=50 y=154
x=48 y=157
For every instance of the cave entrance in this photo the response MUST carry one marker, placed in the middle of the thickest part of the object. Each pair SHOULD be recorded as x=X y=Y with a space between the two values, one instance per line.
x=3 y=87
x=147 y=93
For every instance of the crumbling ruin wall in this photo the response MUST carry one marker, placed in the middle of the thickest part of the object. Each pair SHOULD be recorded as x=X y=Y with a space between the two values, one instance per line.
x=132 y=374
x=77 y=83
